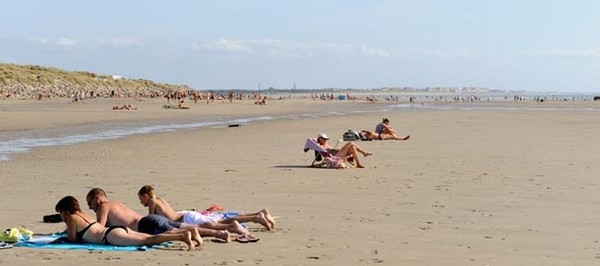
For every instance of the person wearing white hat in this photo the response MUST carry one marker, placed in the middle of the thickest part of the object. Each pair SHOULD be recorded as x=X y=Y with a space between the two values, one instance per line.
x=348 y=152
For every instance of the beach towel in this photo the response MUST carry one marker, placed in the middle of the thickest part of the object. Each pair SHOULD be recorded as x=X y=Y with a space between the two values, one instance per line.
x=312 y=144
x=219 y=215
x=45 y=241
x=200 y=217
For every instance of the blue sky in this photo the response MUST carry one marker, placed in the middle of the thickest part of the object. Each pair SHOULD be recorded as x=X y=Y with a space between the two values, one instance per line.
x=530 y=45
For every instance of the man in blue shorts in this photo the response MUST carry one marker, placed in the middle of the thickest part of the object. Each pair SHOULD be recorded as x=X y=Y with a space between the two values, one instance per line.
x=114 y=213
x=154 y=224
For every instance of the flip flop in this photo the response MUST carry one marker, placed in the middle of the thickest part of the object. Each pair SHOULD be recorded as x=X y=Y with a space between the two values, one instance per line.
x=242 y=239
x=246 y=239
x=253 y=239
x=4 y=245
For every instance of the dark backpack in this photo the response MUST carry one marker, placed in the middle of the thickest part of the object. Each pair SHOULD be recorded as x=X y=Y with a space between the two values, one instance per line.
x=351 y=135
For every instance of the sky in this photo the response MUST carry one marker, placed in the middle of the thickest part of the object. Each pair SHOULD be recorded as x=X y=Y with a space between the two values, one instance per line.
x=532 y=45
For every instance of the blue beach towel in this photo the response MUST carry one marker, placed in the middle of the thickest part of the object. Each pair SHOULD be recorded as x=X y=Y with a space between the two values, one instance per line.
x=44 y=242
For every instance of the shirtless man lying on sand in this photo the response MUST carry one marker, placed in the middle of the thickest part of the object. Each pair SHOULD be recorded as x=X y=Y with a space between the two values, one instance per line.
x=160 y=206
x=114 y=213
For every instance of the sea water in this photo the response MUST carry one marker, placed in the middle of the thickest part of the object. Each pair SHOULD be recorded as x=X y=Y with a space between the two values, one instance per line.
x=21 y=145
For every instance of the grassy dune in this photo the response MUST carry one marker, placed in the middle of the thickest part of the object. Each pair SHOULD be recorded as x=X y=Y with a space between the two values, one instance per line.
x=31 y=80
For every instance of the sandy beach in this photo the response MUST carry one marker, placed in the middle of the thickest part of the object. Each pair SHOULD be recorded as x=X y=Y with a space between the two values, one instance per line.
x=502 y=184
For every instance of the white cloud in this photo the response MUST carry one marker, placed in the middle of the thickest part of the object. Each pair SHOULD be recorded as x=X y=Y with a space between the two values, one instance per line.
x=281 y=49
x=117 y=43
x=67 y=43
x=223 y=45
x=375 y=52
x=70 y=43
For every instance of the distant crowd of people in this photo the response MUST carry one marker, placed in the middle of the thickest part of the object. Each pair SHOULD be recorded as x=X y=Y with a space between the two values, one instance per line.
x=175 y=97
x=80 y=93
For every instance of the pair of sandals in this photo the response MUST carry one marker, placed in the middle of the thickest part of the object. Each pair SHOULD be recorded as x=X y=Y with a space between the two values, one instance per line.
x=246 y=239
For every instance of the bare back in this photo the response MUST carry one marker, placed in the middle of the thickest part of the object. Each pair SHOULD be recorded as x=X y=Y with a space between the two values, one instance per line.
x=162 y=207
x=114 y=213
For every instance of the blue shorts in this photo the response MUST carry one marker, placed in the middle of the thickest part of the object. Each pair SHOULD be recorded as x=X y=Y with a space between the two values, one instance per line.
x=156 y=224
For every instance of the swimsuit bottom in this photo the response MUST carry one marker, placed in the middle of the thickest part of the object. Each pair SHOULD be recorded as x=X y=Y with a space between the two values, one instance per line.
x=110 y=229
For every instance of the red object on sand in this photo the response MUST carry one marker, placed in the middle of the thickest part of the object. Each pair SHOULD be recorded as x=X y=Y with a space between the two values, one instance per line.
x=215 y=207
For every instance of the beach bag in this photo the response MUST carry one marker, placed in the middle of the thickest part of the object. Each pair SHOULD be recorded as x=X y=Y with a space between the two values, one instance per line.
x=350 y=135
x=15 y=235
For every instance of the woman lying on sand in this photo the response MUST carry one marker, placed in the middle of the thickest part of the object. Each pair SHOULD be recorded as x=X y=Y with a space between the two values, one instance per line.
x=81 y=228
x=125 y=107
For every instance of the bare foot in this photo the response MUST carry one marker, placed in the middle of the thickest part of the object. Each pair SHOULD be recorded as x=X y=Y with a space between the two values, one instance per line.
x=224 y=235
x=269 y=218
x=261 y=219
x=237 y=228
x=187 y=238
x=405 y=138
x=197 y=238
x=366 y=155
x=360 y=166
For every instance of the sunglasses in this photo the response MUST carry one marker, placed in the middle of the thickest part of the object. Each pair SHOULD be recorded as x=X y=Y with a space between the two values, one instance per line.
x=89 y=202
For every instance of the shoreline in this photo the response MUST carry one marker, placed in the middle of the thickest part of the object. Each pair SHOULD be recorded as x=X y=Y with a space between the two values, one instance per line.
x=152 y=119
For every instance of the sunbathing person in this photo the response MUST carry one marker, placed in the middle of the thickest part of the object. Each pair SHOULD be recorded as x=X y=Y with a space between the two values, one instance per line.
x=114 y=213
x=370 y=135
x=385 y=131
x=160 y=206
x=124 y=107
x=348 y=152
x=82 y=228
x=261 y=102
x=180 y=105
